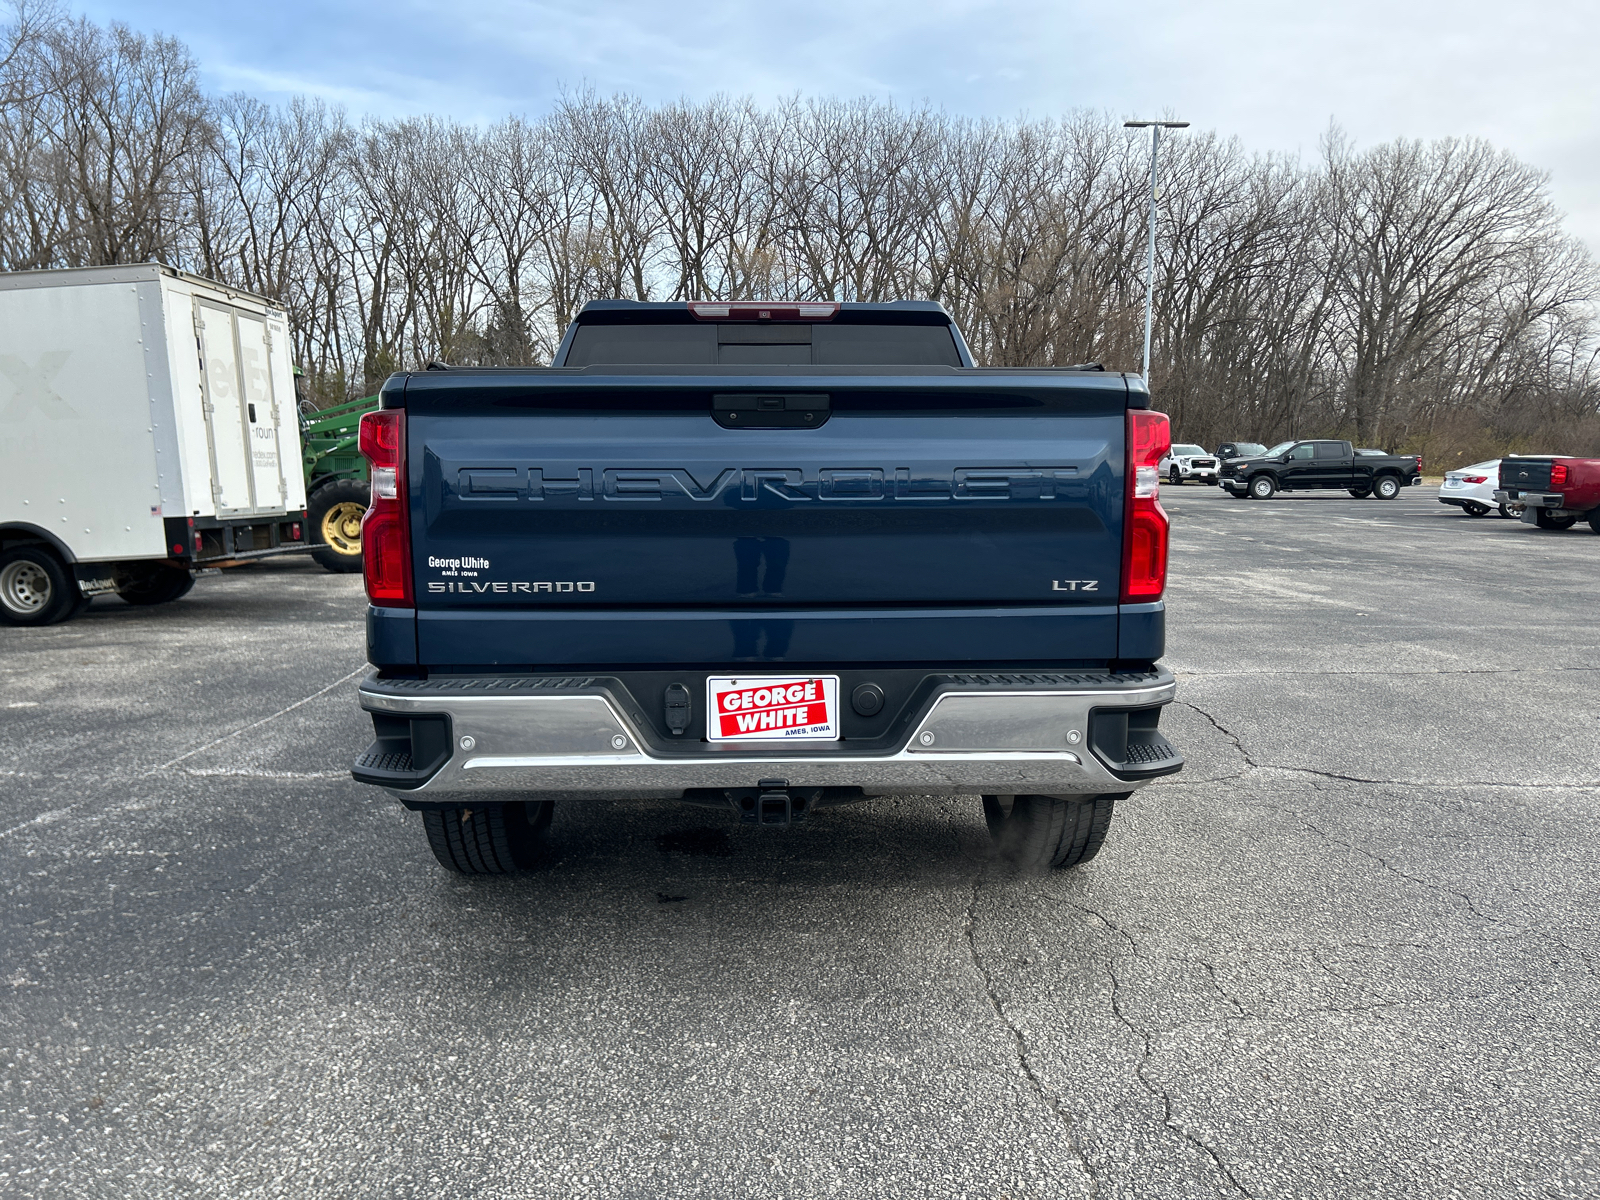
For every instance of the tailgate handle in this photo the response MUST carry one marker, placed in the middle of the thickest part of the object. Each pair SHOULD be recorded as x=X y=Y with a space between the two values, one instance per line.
x=770 y=410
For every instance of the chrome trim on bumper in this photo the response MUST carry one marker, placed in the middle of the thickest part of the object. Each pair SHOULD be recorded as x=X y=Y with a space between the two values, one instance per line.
x=1530 y=499
x=578 y=742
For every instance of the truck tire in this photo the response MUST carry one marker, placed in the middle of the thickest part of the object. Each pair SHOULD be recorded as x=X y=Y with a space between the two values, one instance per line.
x=1175 y=476
x=1263 y=487
x=161 y=586
x=1035 y=833
x=1594 y=519
x=488 y=839
x=36 y=588
x=334 y=513
x=1386 y=487
x=1361 y=493
x=1545 y=521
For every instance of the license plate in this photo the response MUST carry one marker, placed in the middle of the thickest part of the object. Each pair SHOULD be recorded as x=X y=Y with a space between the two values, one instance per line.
x=749 y=708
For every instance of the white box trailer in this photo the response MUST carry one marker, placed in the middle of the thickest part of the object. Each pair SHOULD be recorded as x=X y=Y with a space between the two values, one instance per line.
x=148 y=429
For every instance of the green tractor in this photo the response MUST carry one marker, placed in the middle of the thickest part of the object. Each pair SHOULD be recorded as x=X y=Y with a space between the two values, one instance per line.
x=337 y=484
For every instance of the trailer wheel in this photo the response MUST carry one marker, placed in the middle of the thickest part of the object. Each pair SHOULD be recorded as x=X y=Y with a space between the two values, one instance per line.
x=488 y=839
x=334 y=513
x=36 y=588
x=161 y=586
x=1035 y=833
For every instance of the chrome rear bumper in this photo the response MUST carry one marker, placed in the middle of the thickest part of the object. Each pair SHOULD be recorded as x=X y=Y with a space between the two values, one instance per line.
x=577 y=737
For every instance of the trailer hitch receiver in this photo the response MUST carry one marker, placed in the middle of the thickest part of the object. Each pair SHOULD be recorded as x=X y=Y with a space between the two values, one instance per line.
x=771 y=804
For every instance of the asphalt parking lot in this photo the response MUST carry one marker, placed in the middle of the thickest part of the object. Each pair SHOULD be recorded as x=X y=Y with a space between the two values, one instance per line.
x=1350 y=952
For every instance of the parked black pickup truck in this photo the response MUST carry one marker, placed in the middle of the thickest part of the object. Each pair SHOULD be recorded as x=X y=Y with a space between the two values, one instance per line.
x=769 y=558
x=1321 y=465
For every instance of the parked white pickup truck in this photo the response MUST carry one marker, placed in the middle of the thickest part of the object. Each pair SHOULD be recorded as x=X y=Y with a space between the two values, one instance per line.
x=1189 y=461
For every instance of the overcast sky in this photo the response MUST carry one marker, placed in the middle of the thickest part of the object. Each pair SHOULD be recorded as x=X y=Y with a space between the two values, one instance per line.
x=1274 y=74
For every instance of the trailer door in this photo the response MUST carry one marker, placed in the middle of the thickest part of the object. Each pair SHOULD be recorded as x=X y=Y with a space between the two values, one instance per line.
x=263 y=418
x=227 y=424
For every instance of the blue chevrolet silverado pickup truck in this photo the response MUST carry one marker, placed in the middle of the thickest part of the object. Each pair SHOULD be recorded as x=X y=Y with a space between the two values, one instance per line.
x=769 y=557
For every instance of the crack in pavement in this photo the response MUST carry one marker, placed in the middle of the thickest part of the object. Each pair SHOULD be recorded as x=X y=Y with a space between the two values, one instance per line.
x=1066 y=1118
x=1516 y=930
x=1222 y=991
x=1340 y=777
x=1147 y=1050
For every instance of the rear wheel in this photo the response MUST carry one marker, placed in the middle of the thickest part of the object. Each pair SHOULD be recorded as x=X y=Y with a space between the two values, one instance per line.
x=36 y=588
x=1263 y=487
x=1361 y=493
x=1473 y=509
x=1385 y=487
x=1545 y=521
x=1035 y=833
x=488 y=839
x=334 y=513
x=1594 y=519
x=161 y=586
x=1507 y=513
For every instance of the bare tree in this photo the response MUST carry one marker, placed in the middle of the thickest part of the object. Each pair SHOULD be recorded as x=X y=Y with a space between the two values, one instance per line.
x=1411 y=294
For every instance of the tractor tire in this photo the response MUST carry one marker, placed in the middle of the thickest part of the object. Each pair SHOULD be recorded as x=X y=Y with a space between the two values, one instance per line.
x=334 y=514
x=489 y=839
x=161 y=586
x=1035 y=833
x=36 y=588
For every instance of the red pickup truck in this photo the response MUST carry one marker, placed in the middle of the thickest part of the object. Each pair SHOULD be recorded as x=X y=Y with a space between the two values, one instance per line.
x=1552 y=493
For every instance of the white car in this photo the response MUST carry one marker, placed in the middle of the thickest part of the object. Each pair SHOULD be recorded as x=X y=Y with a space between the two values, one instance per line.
x=1189 y=462
x=1471 y=489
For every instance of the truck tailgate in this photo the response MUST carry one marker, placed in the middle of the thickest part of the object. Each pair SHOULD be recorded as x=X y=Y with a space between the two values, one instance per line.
x=563 y=518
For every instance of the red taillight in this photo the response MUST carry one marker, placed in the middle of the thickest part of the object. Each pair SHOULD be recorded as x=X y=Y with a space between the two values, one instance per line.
x=385 y=533
x=294 y=532
x=1474 y=479
x=758 y=310
x=1145 y=525
x=1558 y=474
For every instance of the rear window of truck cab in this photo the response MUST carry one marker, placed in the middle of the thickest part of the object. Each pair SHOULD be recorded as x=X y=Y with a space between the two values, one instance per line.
x=791 y=344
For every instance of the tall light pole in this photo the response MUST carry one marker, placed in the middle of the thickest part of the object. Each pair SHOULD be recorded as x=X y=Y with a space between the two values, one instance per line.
x=1150 y=261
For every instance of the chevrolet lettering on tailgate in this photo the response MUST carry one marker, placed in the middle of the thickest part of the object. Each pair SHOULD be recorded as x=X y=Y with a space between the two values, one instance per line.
x=510 y=484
